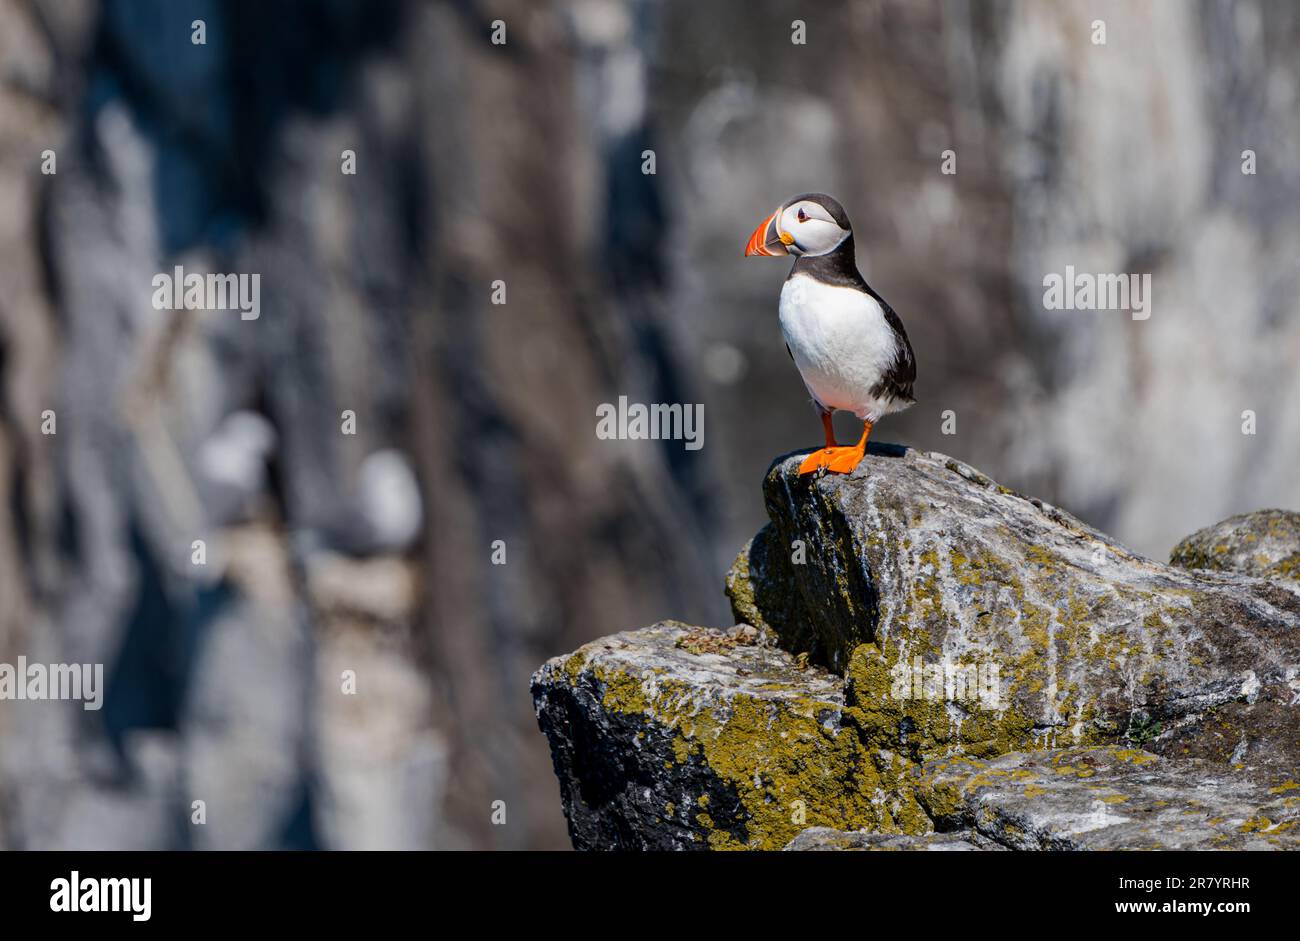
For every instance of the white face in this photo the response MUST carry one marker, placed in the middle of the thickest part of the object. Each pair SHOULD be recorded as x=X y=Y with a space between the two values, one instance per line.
x=811 y=226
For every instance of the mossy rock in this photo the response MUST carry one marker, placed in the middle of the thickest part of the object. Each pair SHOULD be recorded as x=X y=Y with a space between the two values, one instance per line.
x=761 y=589
x=1112 y=799
x=917 y=563
x=678 y=737
x=1265 y=544
x=821 y=839
x=913 y=613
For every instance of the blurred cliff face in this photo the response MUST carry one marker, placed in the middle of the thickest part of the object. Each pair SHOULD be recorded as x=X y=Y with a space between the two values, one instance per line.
x=1122 y=157
x=401 y=497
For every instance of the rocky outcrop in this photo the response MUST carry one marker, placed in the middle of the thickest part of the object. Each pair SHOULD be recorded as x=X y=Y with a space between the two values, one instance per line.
x=1264 y=543
x=923 y=650
x=675 y=737
x=1103 y=798
x=1110 y=799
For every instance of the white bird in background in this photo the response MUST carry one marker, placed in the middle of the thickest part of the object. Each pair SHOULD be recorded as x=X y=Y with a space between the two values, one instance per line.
x=231 y=467
x=389 y=501
x=383 y=515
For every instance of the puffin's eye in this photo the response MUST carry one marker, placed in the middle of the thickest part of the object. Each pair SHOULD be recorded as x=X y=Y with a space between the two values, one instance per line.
x=802 y=216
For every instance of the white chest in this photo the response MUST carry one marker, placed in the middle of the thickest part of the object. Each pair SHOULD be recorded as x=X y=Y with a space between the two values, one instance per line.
x=840 y=341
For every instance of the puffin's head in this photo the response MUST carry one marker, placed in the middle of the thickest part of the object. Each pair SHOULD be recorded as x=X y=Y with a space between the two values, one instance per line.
x=811 y=224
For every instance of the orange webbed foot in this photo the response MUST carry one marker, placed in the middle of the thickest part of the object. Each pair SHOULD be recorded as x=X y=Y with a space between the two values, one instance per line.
x=846 y=461
x=816 y=461
x=833 y=457
x=839 y=460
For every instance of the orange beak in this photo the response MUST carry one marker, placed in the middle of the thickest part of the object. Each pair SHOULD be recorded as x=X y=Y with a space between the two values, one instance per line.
x=766 y=240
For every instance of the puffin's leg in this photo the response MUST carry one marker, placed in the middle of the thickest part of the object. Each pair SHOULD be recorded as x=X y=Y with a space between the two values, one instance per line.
x=823 y=457
x=845 y=459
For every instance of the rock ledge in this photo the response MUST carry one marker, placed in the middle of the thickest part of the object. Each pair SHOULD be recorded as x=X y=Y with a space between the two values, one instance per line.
x=923 y=651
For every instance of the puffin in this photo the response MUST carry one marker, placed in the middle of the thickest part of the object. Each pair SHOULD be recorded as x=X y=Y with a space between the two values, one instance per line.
x=848 y=344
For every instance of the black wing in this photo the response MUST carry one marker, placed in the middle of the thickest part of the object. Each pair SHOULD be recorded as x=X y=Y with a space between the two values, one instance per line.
x=898 y=378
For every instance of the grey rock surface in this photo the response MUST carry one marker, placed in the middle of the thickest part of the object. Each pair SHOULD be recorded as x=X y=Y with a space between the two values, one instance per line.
x=676 y=737
x=826 y=839
x=1111 y=799
x=938 y=654
x=1265 y=543
x=919 y=562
